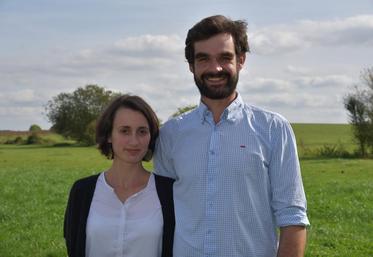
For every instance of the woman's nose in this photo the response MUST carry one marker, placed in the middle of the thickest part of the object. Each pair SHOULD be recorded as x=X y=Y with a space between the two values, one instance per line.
x=133 y=139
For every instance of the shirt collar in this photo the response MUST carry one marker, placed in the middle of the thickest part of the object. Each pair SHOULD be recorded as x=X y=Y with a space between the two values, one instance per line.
x=231 y=113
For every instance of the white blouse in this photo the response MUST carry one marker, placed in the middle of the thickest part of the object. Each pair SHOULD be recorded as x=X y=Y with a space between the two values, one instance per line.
x=133 y=228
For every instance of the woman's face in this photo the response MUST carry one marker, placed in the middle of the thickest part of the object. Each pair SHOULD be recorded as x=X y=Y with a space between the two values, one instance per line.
x=130 y=136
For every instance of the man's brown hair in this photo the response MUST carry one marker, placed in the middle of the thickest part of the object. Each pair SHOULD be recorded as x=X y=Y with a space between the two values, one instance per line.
x=212 y=26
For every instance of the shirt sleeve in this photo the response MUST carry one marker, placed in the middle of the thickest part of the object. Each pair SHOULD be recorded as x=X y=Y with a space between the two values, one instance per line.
x=162 y=158
x=288 y=197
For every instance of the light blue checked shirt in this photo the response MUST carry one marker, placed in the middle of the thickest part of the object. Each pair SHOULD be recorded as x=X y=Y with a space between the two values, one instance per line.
x=236 y=181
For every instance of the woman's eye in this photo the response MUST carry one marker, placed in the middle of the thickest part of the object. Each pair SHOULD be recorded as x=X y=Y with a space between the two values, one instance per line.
x=143 y=132
x=125 y=131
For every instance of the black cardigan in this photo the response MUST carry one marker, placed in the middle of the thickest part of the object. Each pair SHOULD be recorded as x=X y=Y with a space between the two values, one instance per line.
x=77 y=211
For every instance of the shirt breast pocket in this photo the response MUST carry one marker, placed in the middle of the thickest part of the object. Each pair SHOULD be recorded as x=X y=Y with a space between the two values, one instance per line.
x=249 y=157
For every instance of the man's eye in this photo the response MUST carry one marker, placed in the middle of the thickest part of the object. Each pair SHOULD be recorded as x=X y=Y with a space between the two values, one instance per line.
x=201 y=58
x=226 y=58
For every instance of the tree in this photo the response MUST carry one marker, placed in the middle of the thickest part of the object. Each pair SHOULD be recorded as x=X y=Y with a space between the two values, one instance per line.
x=184 y=109
x=359 y=104
x=35 y=128
x=358 y=119
x=72 y=114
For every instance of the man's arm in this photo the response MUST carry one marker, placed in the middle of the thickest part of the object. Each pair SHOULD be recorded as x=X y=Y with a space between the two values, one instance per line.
x=163 y=148
x=292 y=241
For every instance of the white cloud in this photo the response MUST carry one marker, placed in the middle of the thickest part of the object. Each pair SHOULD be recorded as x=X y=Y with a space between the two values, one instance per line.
x=293 y=70
x=275 y=40
x=297 y=95
x=155 y=44
x=352 y=30
x=150 y=53
x=27 y=97
x=21 y=117
x=278 y=39
x=332 y=82
x=19 y=111
x=266 y=85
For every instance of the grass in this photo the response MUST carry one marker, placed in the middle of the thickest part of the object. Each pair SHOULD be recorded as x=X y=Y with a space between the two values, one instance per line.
x=340 y=203
x=34 y=185
x=35 y=181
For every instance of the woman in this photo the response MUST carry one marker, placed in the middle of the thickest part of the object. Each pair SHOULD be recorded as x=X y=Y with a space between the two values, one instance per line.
x=124 y=211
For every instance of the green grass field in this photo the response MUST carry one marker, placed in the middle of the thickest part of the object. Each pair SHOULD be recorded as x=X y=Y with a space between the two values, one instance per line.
x=35 y=180
x=340 y=203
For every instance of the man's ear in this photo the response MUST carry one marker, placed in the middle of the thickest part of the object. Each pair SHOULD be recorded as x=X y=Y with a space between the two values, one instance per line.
x=241 y=60
x=191 y=69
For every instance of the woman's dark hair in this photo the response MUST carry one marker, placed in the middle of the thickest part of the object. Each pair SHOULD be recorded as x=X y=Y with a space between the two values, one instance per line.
x=212 y=26
x=104 y=125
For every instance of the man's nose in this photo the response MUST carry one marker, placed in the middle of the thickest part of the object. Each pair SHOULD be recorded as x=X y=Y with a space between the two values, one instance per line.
x=215 y=65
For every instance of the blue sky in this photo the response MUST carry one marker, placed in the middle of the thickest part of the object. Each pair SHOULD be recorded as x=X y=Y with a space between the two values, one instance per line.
x=305 y=55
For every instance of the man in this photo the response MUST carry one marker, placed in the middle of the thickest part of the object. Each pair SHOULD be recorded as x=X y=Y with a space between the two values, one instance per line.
x=236 y=166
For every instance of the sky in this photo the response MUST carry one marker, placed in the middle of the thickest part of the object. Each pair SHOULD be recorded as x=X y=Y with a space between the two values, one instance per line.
x=305 y=55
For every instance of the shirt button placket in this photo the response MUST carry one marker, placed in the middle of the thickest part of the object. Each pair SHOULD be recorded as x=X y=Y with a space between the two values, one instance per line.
x=211 y=190
x=123 y=227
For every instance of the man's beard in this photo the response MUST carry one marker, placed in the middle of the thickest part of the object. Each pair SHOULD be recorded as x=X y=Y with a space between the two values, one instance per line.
x=216 y=93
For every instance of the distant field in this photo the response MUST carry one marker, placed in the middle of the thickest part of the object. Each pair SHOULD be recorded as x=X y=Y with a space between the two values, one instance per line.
x=50 y=137
x=314 y=136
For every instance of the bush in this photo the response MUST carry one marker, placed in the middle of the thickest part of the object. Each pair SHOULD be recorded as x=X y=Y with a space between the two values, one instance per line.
x=333 y=151
x=89 y=137
x=17 y=141
x=304 y=151
x=34 y=138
